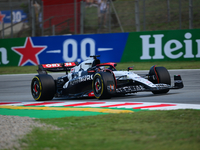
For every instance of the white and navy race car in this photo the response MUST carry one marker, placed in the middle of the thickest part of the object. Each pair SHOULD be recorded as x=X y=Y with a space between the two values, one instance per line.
x=100 y=80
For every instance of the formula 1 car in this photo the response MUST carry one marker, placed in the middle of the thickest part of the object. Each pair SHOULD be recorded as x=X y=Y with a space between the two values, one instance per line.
x=100 y=80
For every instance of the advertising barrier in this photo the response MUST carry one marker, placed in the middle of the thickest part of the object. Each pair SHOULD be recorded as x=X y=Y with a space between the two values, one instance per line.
x=162 y=46
x=18 y=15
x=171 y=45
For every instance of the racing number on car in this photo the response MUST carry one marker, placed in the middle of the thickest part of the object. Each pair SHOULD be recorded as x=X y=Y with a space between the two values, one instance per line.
x=74 y=49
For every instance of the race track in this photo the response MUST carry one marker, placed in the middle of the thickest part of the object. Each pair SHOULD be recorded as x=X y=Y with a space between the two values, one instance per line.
x=16 y=88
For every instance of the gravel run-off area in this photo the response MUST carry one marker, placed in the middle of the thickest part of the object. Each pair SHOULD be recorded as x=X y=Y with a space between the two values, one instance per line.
x=13 y=128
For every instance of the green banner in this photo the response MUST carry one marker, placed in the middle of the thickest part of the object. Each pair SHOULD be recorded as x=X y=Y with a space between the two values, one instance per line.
x=7 y=55
x=162 y=46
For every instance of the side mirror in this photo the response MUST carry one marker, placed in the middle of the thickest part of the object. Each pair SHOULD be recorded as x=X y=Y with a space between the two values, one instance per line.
x=130 y=68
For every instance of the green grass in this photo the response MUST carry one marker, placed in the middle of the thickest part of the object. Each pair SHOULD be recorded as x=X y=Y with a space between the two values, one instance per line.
x=168 y=65
x=18 y=70
x=152 y=130
x=120 y=66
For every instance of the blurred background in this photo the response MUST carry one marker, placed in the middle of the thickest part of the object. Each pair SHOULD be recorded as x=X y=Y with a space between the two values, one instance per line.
x=23 y=18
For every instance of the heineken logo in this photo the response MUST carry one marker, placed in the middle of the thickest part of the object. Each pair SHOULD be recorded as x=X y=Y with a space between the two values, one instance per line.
x=29 y=52
x=4 y=59
x=171 y=48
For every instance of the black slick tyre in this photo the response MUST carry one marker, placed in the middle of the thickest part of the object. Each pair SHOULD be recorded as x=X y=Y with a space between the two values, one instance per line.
x=161 y=76
x=103 y=85
x=43 y=87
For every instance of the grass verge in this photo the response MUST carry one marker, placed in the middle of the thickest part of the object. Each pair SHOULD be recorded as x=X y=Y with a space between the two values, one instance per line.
x=152 y=130
x=18 y=70
x=168 y=65
x=120 y=66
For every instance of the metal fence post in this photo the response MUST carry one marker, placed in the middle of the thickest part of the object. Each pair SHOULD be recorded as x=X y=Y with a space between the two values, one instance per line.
x=53 y=30
x=33 y=21
x=109 y=17
x=11 y=18
x=75 y=22
x=180 y=19
x=2 y=30
x=29 y=8
x=42 y=19
x=168 y=11
x=137 y=20
x=144 y=16
x=30 y=16
x=190 y=15
x=82 y=17
x=117 y=16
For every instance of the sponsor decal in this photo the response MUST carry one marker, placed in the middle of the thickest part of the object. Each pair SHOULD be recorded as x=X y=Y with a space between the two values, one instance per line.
x=178 y=81
x=1 y=17
x=29 y=52
x=170 y=47
x=72 y=70
x=4 y=59
x=111 y=87
x=163 y=46
x=162 y=86
x=144 y=81
x=58 y=65
x=62 y=49
x=130 y=89
x=91 y=94
x=71 y=64
x=17 y=16
x=81 y=79
x=51 y=65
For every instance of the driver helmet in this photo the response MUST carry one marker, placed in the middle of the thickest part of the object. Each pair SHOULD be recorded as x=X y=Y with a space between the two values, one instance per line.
x=102 y=68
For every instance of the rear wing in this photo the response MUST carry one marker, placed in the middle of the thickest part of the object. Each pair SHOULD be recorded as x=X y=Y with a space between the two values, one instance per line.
x=56 y=67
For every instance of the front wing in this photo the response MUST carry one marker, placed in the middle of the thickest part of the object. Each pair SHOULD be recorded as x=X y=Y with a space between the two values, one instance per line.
x=178 y=84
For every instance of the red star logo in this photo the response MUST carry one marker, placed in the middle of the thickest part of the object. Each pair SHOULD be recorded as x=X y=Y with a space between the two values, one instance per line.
x=1 y=17
x=29 y=52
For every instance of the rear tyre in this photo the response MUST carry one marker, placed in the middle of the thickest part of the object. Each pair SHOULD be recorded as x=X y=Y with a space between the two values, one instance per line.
x=160 y=75
x=43 y=87
x=103 y=85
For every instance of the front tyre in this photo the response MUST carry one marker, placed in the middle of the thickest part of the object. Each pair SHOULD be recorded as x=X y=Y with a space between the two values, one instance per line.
x=159 y=75
x=103 y=85
x=43 y=87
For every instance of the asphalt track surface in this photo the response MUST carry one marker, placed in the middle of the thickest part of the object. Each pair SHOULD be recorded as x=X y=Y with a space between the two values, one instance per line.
x=16 y=88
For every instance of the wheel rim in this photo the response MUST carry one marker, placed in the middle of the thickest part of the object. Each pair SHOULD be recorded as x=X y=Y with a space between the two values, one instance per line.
x=35 y=89
x=97 y=86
